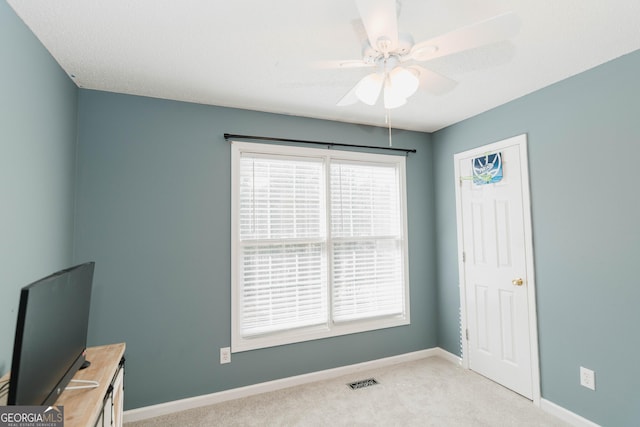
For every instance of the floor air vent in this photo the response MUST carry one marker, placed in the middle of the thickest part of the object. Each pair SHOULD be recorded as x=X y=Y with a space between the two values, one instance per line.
x=362 y=383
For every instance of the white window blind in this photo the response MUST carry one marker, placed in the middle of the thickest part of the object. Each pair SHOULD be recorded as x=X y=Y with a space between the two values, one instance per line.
x=319 y=242
x=367 y=255
x=281 y=233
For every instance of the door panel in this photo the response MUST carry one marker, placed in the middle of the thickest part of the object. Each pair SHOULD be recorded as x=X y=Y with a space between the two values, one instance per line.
x=507 y=320
x=477 y=213
x=503 y=233
x=482 y=316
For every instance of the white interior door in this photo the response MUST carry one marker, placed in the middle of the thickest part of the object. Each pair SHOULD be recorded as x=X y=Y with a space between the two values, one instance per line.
x=496 y=266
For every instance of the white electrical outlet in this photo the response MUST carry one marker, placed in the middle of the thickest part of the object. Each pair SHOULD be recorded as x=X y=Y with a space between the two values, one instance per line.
x=225 y=355
x=587 y=378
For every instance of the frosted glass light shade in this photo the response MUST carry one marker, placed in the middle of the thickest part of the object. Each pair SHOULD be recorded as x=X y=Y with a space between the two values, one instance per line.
x=392 y=98
x=368 y=89
x=404 y=82
x=399 y=84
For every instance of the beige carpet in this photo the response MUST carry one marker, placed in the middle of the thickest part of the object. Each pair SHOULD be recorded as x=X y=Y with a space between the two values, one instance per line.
x=427 y=392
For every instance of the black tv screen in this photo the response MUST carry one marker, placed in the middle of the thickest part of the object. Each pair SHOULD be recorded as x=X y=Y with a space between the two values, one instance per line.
x=51 y=335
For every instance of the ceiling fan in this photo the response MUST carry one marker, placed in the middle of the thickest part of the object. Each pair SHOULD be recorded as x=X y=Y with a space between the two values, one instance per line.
x=394 y=55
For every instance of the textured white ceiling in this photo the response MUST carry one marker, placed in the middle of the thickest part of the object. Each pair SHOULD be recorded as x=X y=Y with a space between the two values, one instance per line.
x=268 y=55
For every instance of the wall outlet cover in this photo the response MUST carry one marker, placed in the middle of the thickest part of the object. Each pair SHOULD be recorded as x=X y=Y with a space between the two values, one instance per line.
x=225 y=355
x=587 y=378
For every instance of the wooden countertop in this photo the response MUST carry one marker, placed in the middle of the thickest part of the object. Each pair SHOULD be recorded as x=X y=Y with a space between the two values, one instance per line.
x=83 y=407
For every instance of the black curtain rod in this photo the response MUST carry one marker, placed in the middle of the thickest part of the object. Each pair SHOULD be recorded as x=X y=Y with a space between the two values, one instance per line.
x=231 y=136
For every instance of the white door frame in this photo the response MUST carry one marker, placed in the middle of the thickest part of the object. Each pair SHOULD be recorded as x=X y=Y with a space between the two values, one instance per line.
x=520 y=140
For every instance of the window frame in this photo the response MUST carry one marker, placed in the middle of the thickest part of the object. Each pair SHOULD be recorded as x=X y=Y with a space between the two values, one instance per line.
x=330 y=329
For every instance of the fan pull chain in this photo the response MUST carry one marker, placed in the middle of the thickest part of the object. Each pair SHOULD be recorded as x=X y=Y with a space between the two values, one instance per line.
x=388 y=120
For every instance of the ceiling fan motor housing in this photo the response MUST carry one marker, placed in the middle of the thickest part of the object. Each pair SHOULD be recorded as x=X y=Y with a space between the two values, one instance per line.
x=372 y=54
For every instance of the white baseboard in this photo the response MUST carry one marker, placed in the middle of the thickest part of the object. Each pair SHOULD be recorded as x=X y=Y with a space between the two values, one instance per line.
x=566 y=415
x=236 y=393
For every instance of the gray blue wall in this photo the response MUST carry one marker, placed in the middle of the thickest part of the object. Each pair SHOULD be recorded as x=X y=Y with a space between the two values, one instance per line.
x=38 y=107
x=153 y=211
x=584 y=157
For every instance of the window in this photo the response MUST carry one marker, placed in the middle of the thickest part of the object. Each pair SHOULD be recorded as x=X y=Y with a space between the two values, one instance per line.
x=319 y=244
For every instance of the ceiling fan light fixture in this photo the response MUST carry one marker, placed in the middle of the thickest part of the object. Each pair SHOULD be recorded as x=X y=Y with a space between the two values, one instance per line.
x=393 y=100
x=392 y=97
x=368 y=89
x=404 y=81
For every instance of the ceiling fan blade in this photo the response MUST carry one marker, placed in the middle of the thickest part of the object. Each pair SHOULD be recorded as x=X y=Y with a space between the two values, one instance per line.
x=381 y=23
x=340 y=64
x=349 y=99
x=492 y=30
x=433 y=82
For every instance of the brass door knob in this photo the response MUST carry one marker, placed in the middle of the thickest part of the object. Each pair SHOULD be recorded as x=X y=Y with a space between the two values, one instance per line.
x=517 y=282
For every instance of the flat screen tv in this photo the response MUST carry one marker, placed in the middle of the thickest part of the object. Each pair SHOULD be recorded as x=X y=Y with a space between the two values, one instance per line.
x=51 y=335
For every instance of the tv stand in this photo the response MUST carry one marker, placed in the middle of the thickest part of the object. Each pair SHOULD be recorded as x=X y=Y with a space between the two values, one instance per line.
x=100 y=406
